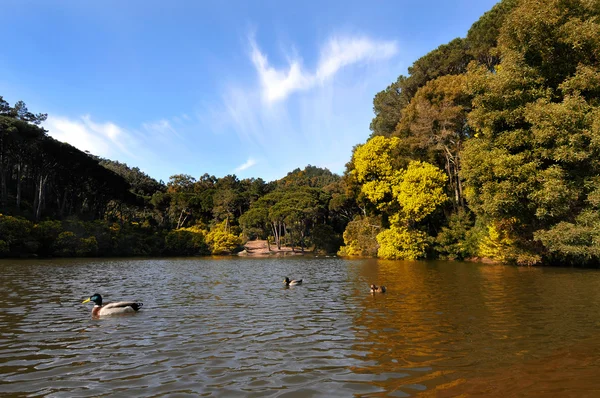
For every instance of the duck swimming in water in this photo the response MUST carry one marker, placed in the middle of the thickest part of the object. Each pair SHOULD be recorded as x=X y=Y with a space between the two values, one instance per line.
x=122 y=307
x=377 y=289
x=292 y=282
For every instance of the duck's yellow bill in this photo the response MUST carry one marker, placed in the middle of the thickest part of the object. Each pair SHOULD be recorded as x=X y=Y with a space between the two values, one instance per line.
x=86 y=301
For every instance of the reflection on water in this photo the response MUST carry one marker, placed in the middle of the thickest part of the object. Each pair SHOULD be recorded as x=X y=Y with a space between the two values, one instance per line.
x=229 y=327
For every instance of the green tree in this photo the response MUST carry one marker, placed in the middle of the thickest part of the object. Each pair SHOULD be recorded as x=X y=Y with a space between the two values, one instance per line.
x=535 y=152
x=434 y=126
x=482 y=37
x=181 y=191
x=15 y=233
x=459 y=239
x=311 y=176
x=46 y=233
x=141 y=183
x=447 y=59
x=360 y=237
x=255 y=222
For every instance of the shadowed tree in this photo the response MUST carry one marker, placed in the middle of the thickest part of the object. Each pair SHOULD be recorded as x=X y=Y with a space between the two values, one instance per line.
x=435 y=124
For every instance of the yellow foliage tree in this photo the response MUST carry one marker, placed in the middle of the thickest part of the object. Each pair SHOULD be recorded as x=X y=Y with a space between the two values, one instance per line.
x=501 y=246
x=400 y=243
x=406 y=195
x=221 y=241
x=187 y=241
x=420 y=191
x=374 y=169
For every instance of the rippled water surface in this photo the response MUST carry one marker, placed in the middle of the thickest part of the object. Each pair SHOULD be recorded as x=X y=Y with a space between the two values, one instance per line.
x=228 y=327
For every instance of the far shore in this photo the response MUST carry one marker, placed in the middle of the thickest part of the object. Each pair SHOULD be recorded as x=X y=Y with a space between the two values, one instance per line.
x=256 y=248
x=259 y=248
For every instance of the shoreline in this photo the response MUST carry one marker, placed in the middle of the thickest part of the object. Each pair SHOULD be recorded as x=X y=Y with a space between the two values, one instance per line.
x=259 y=248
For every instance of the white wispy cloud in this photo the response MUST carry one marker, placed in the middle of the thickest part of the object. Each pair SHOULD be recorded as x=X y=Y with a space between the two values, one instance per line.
x=249 y=163
x=278 y=84
x=162 y=129
x=103 y=139
x=337 y=53
x=290 y=116
x=146 y=147
x=340 y=52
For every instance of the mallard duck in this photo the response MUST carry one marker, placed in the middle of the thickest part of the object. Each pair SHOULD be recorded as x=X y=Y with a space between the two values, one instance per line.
x=292 y=282
x=377 y=289
x=122 y=307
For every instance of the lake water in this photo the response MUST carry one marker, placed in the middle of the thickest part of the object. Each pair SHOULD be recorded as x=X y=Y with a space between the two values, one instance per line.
x=228 y=327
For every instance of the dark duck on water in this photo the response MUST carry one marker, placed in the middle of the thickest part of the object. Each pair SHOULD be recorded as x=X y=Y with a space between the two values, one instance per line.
x=377 y=289
x=292 y=282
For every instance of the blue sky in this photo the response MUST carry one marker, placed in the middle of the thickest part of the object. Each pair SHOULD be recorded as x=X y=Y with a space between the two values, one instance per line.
x=251 y=88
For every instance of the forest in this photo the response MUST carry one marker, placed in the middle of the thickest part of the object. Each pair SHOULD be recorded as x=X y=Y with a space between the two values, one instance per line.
x=487 y=149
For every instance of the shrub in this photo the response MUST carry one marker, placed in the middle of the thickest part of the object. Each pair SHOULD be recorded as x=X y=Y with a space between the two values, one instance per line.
x=360 y=237
x=325 y=239
x=399 y=243
x=46 y=233
x=185 y=242
x=455 y=241
x=16 y=233
x=221 y=241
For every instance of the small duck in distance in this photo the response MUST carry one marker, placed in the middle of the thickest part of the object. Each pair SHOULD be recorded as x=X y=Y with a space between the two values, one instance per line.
x=292 y=282
x=377 y=289
x=122 y=307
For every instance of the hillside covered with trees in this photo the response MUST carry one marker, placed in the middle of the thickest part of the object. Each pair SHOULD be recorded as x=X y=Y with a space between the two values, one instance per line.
x=488 y=148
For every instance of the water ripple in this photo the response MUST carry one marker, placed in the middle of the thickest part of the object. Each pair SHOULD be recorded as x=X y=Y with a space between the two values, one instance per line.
x=228 y=327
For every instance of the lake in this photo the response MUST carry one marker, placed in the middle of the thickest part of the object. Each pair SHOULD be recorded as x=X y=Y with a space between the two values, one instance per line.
x=229 y=327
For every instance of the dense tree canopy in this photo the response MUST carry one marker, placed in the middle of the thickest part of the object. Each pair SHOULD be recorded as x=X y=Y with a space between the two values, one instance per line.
x=488 y=147
x=534 y=161
x=510 y=113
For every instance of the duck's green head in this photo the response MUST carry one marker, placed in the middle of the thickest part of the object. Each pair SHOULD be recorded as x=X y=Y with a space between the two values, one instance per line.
x=286 y=280
x=95 y=298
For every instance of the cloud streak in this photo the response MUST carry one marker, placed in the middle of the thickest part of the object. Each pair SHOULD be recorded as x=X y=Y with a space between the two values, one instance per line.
x=249 y=163
x=290 y=116
x=102 y=139
x=161 y=127
x=338 y=52
x=146 y=147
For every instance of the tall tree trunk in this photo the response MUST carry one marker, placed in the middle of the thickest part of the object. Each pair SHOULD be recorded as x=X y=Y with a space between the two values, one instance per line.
x=36 y=197
x=19 y=172
x=278 y=226
x=272 y=226
x=278 y=233
x=291 y=237
x=457 y=171
x=460 y=190
x=40 y=197
x=450 y=171
x=180 y=222
x=3 y=189
x=64 y=204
